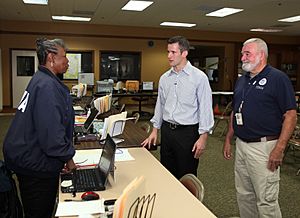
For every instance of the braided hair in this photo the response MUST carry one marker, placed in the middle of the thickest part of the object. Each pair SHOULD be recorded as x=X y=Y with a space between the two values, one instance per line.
x=45 y=46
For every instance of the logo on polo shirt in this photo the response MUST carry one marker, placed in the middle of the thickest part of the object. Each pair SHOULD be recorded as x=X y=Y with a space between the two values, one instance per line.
x=262 y=82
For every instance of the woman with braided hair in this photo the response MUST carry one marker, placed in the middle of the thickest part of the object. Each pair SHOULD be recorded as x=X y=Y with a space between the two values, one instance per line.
x=38 y=144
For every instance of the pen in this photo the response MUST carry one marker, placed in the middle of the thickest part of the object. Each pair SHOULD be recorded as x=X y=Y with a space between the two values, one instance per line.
x=67 y=200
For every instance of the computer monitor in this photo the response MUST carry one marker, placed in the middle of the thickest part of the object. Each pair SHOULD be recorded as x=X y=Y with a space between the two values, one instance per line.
x=86 y=78
x=147 y=86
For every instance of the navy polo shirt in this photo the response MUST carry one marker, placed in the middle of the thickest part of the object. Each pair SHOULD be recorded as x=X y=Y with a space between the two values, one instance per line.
x=267 y=97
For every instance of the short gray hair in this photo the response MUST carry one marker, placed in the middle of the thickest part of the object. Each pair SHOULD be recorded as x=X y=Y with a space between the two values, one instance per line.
x=45 y=46
x=261 y=44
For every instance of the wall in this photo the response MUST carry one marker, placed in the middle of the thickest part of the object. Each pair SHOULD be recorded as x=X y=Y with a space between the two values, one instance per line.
x=22 y=35
x=1 y=82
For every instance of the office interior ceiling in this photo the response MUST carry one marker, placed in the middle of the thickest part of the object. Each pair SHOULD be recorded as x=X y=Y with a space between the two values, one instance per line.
x=256 y=14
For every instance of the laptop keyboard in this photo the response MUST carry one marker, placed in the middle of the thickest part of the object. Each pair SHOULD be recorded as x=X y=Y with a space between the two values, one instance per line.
x=86 y=180
x=78 y=129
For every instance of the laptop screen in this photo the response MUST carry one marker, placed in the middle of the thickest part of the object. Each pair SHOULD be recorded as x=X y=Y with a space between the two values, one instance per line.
x=106 y=162
x=91 y=118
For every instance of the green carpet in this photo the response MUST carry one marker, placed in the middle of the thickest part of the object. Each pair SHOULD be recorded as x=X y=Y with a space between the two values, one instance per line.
x=218 y=179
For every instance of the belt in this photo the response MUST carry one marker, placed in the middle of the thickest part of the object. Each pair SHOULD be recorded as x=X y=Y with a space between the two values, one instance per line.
x=176 y=126
x=262 y=139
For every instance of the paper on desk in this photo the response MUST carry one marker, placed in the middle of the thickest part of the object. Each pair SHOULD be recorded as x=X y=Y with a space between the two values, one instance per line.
x=79 y=208
x=92 y=156
x=122 y=154
x=79 y=120
x=87 y=157
x=77 y=108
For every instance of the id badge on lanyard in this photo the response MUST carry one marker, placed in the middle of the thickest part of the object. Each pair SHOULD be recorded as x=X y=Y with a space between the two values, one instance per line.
x=239 y=115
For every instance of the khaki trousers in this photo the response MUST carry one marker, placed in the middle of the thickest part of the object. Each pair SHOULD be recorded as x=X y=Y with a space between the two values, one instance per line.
x=256 y=186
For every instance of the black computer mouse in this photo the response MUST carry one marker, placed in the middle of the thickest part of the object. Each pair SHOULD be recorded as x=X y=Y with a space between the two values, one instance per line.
x=90 y=195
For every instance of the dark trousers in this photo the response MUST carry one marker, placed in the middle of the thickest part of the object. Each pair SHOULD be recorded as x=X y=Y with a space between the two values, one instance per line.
x=176 y=149
x=38 y=195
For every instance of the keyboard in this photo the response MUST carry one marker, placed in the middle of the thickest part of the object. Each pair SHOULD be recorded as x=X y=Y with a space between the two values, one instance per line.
x=86 y=180
x=78 y=129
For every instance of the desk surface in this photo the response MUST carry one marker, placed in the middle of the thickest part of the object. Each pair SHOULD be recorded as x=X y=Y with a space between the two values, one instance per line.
x=222 y=93
x=172 y=198
x=133 y=135
x=129 y=94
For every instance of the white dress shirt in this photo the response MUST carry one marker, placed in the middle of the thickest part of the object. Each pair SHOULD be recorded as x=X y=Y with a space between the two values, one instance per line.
x=184 y=98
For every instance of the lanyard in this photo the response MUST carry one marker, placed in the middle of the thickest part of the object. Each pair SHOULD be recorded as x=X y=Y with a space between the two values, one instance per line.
x=244 y=95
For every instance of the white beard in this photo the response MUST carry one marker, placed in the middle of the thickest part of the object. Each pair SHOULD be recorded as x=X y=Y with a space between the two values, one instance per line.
x=248 y=67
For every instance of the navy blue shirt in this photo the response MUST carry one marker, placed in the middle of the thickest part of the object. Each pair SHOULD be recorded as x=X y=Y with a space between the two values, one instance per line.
x=40 y=139
x=267 y=97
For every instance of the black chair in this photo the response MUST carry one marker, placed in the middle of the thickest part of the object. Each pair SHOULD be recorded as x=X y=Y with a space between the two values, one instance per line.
x=141 y=99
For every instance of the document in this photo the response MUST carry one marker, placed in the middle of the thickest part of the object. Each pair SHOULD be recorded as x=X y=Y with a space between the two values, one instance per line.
x=77 y=208
x=91 y=157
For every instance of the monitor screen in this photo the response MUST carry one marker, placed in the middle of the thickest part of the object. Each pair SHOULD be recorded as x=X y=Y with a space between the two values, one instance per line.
x=148 y=86
x=86 y=78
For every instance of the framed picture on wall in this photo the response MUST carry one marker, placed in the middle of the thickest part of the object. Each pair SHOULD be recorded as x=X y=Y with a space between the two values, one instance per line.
x=25 y=65
x=79 y=62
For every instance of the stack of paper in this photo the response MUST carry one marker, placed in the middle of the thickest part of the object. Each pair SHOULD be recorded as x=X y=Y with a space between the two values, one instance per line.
x=80 y=89
x=103 y=104
x=79 y=120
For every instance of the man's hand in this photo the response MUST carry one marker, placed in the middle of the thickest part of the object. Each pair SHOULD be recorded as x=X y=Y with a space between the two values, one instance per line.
x=199 y=146
x=275 y=159
x=227 y=151
x=151 y=140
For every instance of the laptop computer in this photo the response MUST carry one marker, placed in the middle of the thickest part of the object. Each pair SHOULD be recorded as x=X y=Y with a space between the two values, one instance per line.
x=87 y=124
x=94 y=179
x=85 y=103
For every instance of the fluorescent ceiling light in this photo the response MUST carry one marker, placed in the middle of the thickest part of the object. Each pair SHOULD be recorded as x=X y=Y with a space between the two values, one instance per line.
x=69 y=18
x=36 y=2
x=136 y=5
x=291 y=19
x=178 y=24
x=224 y=12
x=265 y=30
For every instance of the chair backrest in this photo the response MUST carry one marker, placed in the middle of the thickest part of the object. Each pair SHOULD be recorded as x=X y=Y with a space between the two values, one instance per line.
x=122 y=108
x=194 y=185
x=227 y=109
x=136 y=116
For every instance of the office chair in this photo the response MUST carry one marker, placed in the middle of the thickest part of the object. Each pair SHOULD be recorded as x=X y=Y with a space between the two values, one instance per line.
x=136 y=117
x=225 y=116
x=294 y=144
x=141 y=99
x=194 y=185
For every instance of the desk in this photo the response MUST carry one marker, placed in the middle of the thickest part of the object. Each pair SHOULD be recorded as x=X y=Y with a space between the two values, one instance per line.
x=172 y=198
x=132 y=134
x=131 y=95
x=217 y=97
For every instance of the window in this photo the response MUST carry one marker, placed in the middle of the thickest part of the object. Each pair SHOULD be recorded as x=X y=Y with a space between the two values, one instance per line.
x=120 y=66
